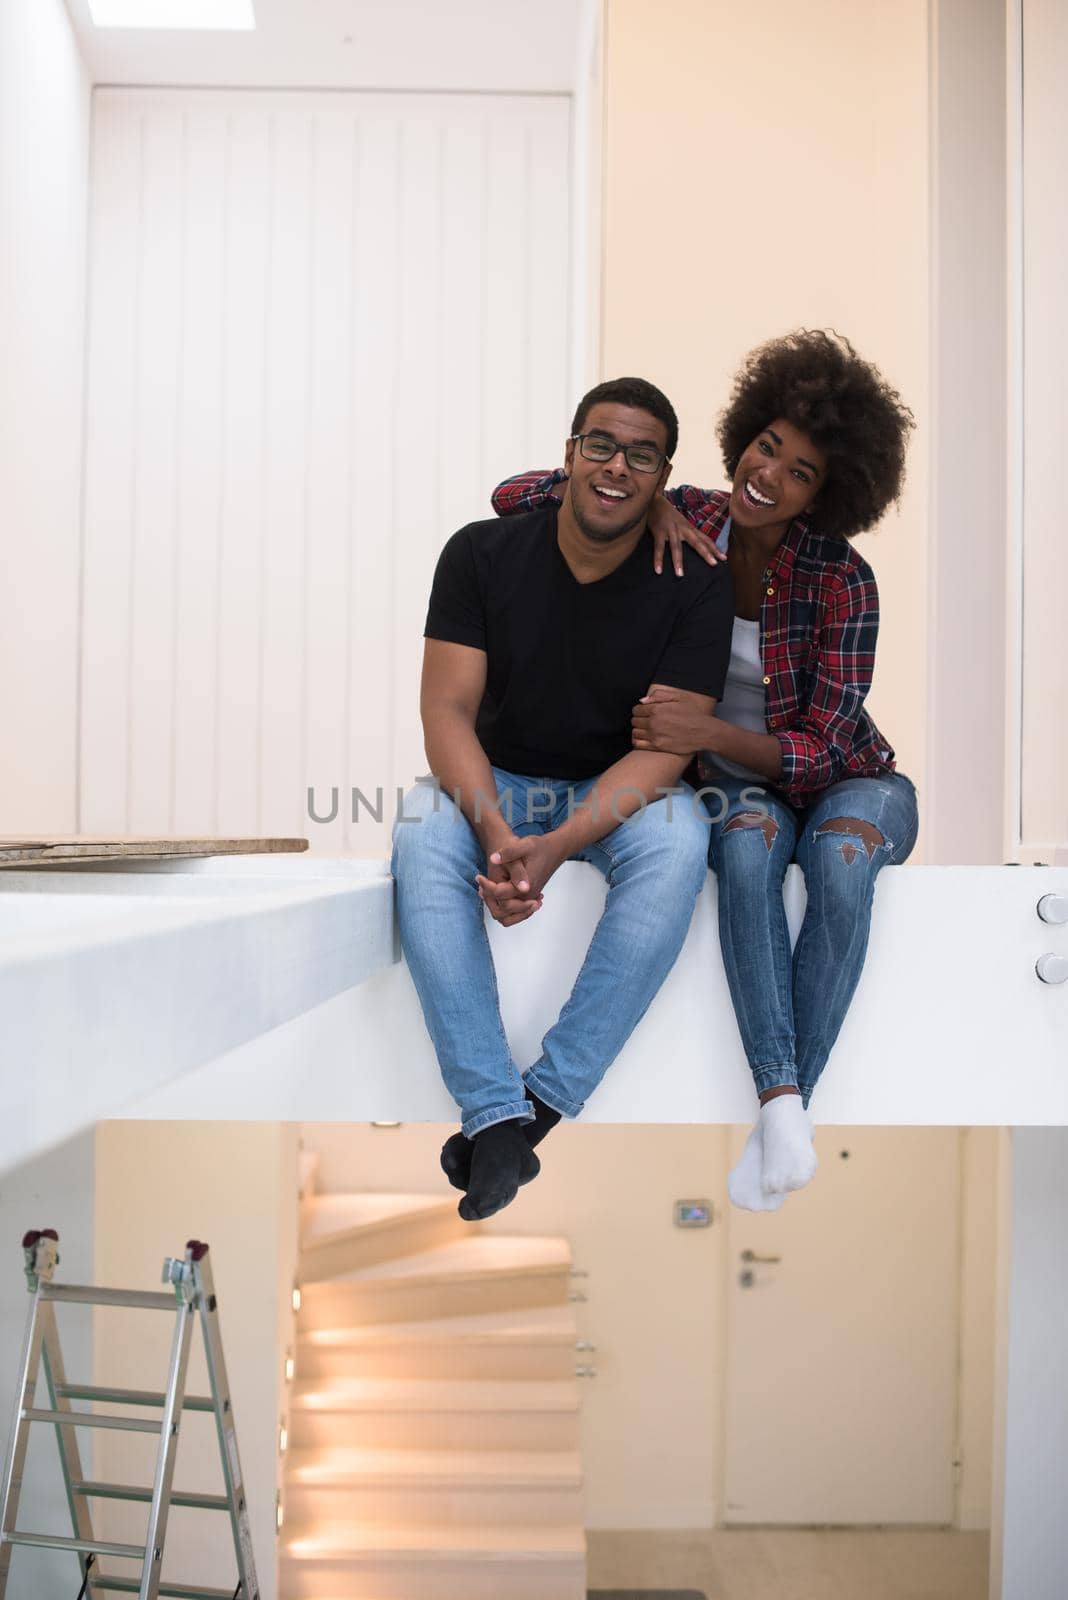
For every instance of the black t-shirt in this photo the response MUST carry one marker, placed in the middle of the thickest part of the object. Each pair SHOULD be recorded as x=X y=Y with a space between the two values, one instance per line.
x=566 y=661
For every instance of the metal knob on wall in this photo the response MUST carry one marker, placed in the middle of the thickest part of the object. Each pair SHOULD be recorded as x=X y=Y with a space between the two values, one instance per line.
x=1053 y=908
x=1052 y=968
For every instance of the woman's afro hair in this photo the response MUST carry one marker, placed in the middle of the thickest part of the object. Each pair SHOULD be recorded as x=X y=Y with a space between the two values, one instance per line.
x=816 y=381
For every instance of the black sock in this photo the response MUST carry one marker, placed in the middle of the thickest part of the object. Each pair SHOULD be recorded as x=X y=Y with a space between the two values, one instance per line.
x=456 y=1160
x=545 y=1120
x=501 y=1159
x=456 y=1151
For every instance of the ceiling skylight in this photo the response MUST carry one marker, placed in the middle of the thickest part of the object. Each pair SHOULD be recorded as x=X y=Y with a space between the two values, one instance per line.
x=203 y=14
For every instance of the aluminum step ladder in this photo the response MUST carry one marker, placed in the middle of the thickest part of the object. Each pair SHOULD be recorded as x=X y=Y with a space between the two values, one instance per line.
x=191 y=1297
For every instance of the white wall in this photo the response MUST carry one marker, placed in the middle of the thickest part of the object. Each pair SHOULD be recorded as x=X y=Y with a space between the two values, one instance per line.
x=1042 y=753
x=44 y=176
x=158 y=1185
x=321 y=328
x=54 y=1191
x=488 y=46
x=1029 y=1544
x=587 y=219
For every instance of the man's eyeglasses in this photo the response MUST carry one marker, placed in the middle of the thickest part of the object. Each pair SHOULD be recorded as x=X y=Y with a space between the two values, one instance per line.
x=602 y=447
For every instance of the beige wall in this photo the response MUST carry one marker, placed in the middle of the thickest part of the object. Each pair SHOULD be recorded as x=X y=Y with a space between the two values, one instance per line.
x=978 y=1323
x=234 y=1185
x=766 y=168
x=653 y=1418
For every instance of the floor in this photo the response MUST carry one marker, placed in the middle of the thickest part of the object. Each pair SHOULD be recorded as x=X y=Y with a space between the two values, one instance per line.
x=796 y=1564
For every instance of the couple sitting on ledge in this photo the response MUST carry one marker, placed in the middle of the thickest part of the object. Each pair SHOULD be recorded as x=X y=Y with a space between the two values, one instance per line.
x=570 y=689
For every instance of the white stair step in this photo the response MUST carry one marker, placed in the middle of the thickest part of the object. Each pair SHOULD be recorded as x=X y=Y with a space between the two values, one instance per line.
x=435 y=1415
x=341 y=1233
x=361 y=1544
x=437 y=1430
x=432 y=1394
x=470 y=1276
x=395 y=1487
x=472 y=1255
x=436 y=1468
x=535 y=1343
x=327 y=1215
x=493 y=1583
x=433 y=1562
x=342 y=1505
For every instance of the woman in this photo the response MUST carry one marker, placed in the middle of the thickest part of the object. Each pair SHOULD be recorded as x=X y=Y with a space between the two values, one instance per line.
x=793 y=767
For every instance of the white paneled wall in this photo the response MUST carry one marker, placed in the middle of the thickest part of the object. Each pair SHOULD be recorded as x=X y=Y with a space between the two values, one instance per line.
x=322 y=326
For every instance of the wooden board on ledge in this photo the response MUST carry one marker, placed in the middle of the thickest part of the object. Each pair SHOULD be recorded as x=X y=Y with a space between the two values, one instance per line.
x=61 y=848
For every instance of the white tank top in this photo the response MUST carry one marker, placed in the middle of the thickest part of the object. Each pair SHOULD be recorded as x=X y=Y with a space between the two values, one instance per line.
x=743 y=702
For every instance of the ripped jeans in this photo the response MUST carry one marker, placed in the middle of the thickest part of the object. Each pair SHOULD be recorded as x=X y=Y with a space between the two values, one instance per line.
x=790 y=1008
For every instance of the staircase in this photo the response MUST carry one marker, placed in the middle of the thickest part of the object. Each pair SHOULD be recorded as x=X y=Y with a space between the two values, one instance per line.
x=434 y=1419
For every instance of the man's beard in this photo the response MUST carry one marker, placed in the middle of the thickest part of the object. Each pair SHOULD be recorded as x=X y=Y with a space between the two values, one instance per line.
x=601 y=535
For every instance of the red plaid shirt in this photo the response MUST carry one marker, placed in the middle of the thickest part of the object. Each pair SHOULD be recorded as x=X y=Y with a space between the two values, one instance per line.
x=819 y=621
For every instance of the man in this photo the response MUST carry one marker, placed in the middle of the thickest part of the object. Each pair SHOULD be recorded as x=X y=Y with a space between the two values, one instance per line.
x=542 y=633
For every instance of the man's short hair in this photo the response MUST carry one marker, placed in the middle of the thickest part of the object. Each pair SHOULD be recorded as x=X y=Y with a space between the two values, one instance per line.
x=634 y=392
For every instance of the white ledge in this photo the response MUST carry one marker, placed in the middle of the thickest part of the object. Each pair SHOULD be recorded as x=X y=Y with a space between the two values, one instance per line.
x=950 y=1023
x=113 y=983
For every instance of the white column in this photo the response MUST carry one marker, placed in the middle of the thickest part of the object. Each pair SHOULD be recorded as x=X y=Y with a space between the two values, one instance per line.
x=1029 y=1543
x=966 y=699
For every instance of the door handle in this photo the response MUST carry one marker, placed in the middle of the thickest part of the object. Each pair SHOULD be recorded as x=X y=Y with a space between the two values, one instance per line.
x=751 y=1255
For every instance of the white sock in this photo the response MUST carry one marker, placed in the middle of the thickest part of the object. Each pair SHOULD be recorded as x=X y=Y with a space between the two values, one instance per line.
x=744 y=1184
x=789 y=1155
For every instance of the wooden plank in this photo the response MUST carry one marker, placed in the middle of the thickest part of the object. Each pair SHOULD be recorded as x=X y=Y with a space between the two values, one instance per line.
x=89 y=847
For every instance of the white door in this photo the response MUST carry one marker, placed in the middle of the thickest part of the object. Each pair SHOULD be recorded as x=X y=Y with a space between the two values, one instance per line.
x=842 y=1337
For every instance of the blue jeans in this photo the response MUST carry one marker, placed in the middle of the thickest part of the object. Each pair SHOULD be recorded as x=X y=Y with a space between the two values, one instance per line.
x=655 y=864
x=790 y=1010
